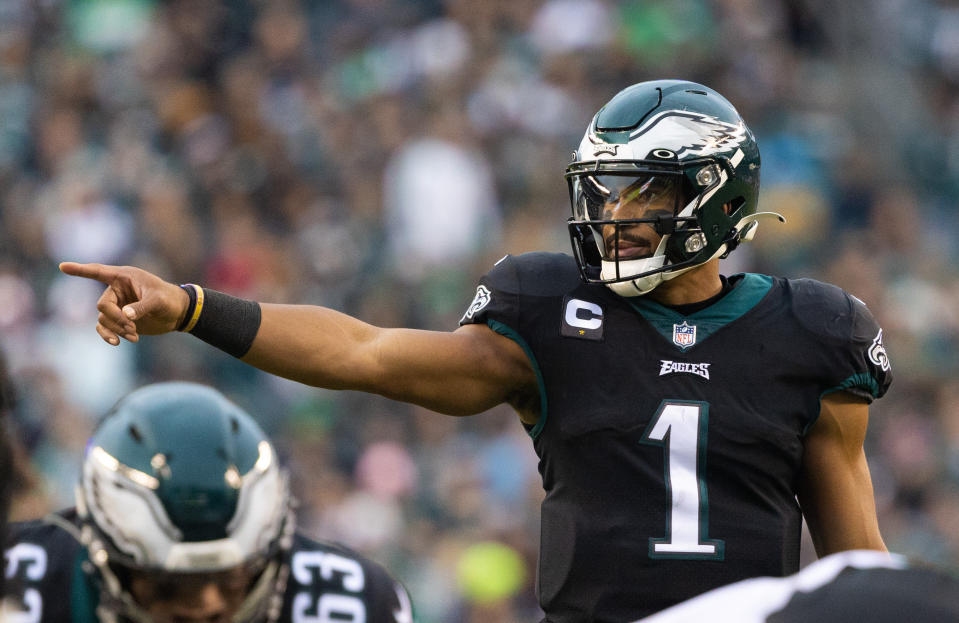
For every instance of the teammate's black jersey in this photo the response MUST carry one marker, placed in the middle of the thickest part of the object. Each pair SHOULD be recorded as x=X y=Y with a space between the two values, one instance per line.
x=670 y=445
x=48 y=579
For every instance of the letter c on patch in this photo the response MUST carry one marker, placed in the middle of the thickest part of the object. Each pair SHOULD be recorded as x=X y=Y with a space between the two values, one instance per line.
x=593 y=314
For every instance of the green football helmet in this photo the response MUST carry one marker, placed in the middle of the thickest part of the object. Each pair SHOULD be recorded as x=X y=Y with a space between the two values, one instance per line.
x=179 y=480
x=680 y=155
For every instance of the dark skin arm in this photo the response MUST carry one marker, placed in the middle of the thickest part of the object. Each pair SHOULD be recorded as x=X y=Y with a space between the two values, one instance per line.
x=462 y=372
x=835 y=488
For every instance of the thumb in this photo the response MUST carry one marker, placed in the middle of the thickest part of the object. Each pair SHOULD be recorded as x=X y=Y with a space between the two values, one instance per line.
x=136 y=310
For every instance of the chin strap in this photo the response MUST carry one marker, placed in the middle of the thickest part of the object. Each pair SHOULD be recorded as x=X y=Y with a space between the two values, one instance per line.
x=743 y=231
x=264 y=602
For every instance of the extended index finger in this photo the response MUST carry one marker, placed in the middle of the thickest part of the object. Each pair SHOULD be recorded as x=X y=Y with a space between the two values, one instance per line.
x=100 y=272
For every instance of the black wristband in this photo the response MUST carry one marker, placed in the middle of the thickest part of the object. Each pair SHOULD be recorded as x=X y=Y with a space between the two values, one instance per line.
x=228 y=322
x=185 y=324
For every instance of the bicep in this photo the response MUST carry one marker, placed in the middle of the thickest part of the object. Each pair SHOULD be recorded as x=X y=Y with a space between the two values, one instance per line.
x=835 y=488
x=462 y=372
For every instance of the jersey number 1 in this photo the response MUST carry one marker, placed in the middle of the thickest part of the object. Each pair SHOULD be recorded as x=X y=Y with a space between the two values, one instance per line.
x=680 y=427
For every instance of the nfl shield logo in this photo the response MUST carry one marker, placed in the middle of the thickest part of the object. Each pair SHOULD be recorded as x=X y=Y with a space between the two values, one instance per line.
x=684 y=335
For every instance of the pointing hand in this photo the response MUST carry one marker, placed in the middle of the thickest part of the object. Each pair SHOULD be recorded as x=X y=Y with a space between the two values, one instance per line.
x=134 y=302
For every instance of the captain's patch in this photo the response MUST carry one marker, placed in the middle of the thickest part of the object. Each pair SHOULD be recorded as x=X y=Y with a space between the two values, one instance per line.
x=582 y=319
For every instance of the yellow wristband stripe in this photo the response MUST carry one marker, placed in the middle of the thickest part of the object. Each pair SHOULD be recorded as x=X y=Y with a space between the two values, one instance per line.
x=196 y=310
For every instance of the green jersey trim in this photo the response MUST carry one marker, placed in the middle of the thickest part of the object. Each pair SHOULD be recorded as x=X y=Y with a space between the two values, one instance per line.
x=745 y=295
x=512 y=334
x=862 y=380
x=83 y=601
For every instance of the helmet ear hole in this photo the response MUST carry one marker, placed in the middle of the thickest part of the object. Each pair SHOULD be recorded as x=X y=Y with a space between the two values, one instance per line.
x=734 y=205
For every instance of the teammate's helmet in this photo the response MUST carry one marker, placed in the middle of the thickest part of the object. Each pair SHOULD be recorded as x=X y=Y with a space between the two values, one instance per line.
x=678 y=145
x=179 y=480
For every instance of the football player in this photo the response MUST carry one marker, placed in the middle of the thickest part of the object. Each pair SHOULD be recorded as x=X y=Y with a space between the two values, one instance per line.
x=183 y=515
x=677 y=413
x=862 y=586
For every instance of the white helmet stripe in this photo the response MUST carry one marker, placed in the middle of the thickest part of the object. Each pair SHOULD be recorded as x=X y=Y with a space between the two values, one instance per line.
x=737 y=158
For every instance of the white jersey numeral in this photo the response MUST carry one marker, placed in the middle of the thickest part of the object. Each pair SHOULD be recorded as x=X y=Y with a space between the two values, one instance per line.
x=31 y=560
x=680 y=427
x=329 y=607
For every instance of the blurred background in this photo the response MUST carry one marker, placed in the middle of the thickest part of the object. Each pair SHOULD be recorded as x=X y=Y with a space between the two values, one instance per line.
x=377 y=156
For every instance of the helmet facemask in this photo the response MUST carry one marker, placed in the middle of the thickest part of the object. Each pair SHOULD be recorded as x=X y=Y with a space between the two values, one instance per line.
x=637 y=223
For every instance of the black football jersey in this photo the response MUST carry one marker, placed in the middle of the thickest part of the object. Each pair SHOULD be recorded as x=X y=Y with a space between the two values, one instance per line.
x=861 y=586
x=669 y=445
x=47 y=581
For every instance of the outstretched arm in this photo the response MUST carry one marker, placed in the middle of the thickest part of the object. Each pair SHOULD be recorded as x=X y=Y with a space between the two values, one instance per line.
x=835 y=488
x=459 y=373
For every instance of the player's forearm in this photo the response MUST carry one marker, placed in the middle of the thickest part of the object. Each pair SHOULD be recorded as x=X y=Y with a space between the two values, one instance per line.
x=312 y=345
x=846 y=514
x=846 y=529
x=457 y=373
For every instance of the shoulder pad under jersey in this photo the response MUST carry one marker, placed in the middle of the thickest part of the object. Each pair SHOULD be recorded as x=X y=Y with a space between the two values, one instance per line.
x=537 y=274
x=843 y=324
x=830 y=312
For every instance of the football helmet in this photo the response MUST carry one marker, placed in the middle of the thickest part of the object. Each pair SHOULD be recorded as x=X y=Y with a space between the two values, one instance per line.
x=178 y=480
x=665 y=179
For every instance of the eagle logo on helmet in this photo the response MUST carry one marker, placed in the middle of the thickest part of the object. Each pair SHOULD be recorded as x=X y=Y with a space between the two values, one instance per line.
x=687 y=133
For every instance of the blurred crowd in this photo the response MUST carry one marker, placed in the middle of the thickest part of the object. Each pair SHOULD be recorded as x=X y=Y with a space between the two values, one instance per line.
x=377 y=156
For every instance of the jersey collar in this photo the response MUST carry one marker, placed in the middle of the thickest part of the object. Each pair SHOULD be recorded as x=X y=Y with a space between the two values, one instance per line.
x=749 y=289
